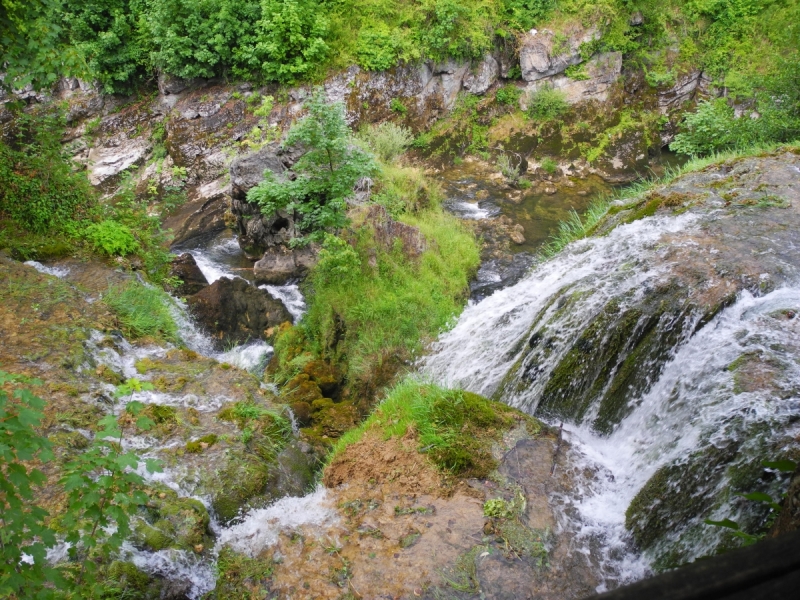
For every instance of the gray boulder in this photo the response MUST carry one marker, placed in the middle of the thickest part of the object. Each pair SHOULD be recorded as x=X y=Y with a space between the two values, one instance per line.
x=542 y=55
x=248 y=170
x=482 y=76
x=281 y=263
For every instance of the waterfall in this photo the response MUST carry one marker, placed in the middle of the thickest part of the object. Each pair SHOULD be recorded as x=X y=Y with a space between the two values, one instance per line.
x=722 y=398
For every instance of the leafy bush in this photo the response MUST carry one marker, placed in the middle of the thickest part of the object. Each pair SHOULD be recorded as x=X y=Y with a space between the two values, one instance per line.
x=325 y=174
x=455 y=28
x=202 y=38
x=508 y=94
x=290 y=39
x=142 y=310
x=111 y=237
x=507 y=167
x=548 y=165
x=378 y=47
x=38 y=188
x=547 y=104
x=525 y=14
x=107 y=34
x=387 y=140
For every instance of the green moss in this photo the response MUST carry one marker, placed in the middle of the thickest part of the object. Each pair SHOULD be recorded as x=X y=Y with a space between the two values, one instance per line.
x=197 y=446
x=244 y=477
x=173 y=522
x=238 y=576
x=126 y=580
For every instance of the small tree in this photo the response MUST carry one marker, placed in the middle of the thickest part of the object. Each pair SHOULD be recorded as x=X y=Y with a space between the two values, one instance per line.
x=325 y=174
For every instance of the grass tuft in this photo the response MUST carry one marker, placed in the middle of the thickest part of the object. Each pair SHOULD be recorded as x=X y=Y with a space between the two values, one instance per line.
x=142 y=310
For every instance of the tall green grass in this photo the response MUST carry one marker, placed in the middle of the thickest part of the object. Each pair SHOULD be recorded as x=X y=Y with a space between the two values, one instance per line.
x=142 y=311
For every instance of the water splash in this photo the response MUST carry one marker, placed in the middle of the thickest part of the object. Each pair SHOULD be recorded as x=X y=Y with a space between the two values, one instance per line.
x=291 y=296
x=260 y=528
x=55 y=271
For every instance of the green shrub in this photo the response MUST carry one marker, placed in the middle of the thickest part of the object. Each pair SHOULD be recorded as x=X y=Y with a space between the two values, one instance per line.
x=549 y=166
x=291 y=39
x=508 y=94
x=325 y=174
x=455 y=28
x=142 y=310
x=38 y=188
x=378 y=47
x=525 y=14
x=456 y=428
x=387 y=140
x=547 y=104
x=111 y=237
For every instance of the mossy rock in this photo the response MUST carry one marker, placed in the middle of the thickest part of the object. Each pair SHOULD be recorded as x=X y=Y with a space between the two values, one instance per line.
x=301 y=389
x=203 y=443
x=243 y=478
x=71 y=440
x=324 y=375
x=301 y=412
x=173 y=522
x=333 y=418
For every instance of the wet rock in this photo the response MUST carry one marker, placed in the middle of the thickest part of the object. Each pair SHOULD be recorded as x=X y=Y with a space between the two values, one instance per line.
x=498 y=273
x=789 y=517
x=295 y=471
x=204 y=212
x=172 y=522
x=235 y=311
x=185 y=268
x=685 y=89
x=517 y=234
x=279 y=264
x=541 y=57
x=301 y=388
x=482 y=75
x=169 y=84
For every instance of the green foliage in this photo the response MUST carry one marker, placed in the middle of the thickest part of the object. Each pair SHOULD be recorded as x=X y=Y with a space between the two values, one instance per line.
x=23 y=523
x=142 y=310
x=370 y=303
x=38 y=188
x=379 y=47
x=111 y=237
x=398 y=107
x=386 y=140
x=522 y=15
x=456 y=28
x=509 y=95
x=325 y=174
x=338 y=261
x=106 y=33
x=547 y=104
x=455 y=429
x=31 y=50
x=549 y=166
x=102 y=491
x=509 y=168
x=577 y=72
x=775 y=117
x=291 y=39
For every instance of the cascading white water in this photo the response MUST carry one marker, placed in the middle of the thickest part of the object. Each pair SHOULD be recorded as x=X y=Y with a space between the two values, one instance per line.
x=692 y=407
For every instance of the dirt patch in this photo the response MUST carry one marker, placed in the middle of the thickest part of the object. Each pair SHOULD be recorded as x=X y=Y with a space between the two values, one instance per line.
x=394 y=465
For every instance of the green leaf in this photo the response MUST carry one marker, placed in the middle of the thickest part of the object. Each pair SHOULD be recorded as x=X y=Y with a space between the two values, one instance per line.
x=758 y=497
x=724 y=523
x=785 y=466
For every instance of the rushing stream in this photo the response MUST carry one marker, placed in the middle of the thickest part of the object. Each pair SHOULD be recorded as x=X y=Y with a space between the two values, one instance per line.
x=691 y=409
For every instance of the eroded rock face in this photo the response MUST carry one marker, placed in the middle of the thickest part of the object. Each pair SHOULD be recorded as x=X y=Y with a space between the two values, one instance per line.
x=482 y=76
x=543 y=54
x=387 y=231
x=602 y=71
x=235 y=311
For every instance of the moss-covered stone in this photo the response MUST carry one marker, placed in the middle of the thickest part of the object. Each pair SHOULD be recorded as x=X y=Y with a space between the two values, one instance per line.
x=198 y=445
x=244 y=477
x=126 y=580
x=172 y=522
x=240 y=577
x=301 y=389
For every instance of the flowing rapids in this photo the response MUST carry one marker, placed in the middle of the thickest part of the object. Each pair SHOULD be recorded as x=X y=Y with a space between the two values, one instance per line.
x=692 y=407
